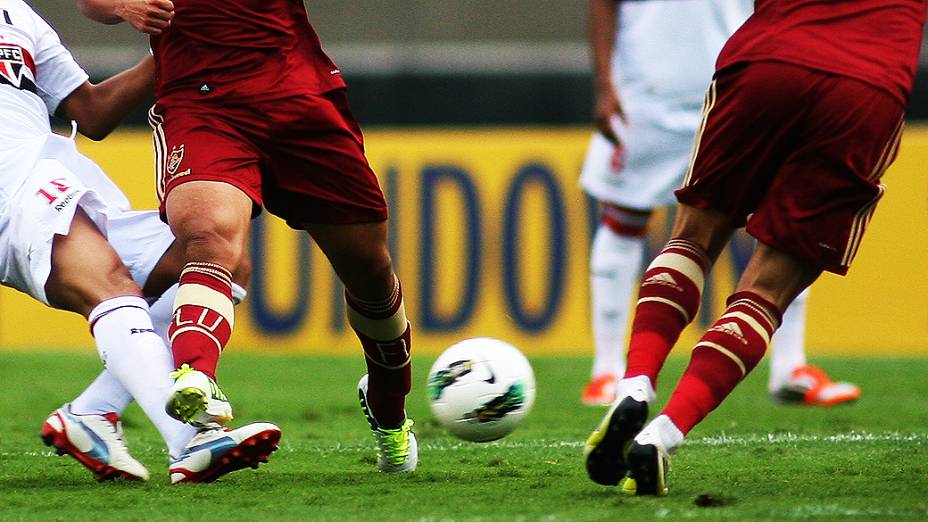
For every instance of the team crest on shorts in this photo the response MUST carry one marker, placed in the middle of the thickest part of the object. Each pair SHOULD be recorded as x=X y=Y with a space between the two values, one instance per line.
x=17 y=67
x=174 y=160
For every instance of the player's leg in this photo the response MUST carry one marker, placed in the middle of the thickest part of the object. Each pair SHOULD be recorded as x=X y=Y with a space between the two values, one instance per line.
x=210 y=221
x=209 y=183
x=88 y=277
x=724 y=355
x=667 y=301
x=154 y=260
x=792 y=380
x=843 y=143
x=671 y=291
x=147 y=248
x=359 y=255
x=320 y=181
x=717 y=195
x=615 y=266
x=787 y=349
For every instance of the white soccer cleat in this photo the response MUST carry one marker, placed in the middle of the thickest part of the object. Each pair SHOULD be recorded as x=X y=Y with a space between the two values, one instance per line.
x=96 y=441
x=197 y=400
x=397 y=450
x=214 y=452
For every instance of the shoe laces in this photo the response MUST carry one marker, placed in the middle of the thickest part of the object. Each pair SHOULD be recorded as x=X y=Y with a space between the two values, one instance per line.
x=113 y=424
x=180 y=372
x=393 y=444
x=214 y=389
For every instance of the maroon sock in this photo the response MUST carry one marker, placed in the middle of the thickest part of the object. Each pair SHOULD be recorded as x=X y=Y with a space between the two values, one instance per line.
x=667 y=301
x=385 y=335
x=202 y=322
x=725 y=354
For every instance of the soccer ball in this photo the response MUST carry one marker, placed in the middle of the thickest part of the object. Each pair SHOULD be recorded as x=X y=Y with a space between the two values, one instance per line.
x=480 y=389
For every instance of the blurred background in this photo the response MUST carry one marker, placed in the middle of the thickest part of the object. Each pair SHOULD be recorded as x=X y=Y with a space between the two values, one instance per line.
x=427 y=62
x=476 y=115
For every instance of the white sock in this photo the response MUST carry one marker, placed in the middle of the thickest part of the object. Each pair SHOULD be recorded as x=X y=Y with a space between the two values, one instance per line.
x=104 y=395
x=788 y=350
x=161 y=313
x=661 y=430
x=638 y=387
x=615 y=266
x=139 y=360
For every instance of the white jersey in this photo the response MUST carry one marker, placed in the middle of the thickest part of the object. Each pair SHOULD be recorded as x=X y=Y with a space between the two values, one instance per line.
x=43 y=177
x=663 y=60
x=667 y=48
x=36 y=73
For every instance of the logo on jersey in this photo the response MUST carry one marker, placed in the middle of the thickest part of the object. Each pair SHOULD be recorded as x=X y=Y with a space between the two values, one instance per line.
x=174 y=160
x=17 y=67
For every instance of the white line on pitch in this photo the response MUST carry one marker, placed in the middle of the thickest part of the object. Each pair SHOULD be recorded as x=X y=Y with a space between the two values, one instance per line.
x=773 y=439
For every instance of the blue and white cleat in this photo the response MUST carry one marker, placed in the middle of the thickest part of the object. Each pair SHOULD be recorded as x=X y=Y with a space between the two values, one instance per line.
x=96 y=441
x=214 y=452
x=397 y=450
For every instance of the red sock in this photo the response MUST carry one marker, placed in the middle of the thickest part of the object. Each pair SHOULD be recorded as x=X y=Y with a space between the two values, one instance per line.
x=386 y=338
x=727 y=352
x=667 y=301
x=203 y=316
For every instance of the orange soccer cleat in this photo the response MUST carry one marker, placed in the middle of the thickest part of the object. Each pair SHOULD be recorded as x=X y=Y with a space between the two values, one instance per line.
x=811 y=386
x=600 y=391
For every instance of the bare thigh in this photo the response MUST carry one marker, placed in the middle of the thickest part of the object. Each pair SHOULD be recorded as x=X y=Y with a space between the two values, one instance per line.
x=85 y=269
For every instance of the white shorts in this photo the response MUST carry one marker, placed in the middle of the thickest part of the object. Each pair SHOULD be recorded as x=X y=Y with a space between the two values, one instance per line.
x=58 y=184
x=657 y=146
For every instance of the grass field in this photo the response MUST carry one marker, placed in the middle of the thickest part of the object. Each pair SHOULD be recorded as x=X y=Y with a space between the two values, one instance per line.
x=750 y=460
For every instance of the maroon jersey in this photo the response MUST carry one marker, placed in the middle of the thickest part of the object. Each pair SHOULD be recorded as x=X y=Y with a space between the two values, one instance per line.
x=249 y=49
x=876 y=41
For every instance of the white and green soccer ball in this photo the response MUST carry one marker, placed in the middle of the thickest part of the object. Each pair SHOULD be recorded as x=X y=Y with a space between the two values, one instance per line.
x=480 y=389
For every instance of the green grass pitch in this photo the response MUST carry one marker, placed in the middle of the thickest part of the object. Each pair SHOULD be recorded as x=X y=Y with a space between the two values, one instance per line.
x=750 y=460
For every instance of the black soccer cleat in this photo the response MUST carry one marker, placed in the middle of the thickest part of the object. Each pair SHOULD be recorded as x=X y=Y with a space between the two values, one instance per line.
x=648 y=465
x=604 y=453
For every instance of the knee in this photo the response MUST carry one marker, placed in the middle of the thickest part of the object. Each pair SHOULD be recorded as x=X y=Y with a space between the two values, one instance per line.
x=213 y=241
x=373 y=273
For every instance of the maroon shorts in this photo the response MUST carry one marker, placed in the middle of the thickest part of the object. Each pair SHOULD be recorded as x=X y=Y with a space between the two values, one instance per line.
x=301 y=157
x=796 y=155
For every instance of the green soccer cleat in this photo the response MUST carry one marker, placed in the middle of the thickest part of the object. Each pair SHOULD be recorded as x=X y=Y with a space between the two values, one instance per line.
x=197 y=400
x=397 y=450
x=604 y=452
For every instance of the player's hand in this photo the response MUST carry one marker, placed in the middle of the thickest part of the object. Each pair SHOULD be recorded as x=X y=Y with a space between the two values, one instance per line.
x=148 y=16
x=606 y=107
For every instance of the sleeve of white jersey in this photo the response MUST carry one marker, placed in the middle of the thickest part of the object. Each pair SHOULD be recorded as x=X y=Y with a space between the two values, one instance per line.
x=57 y=74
